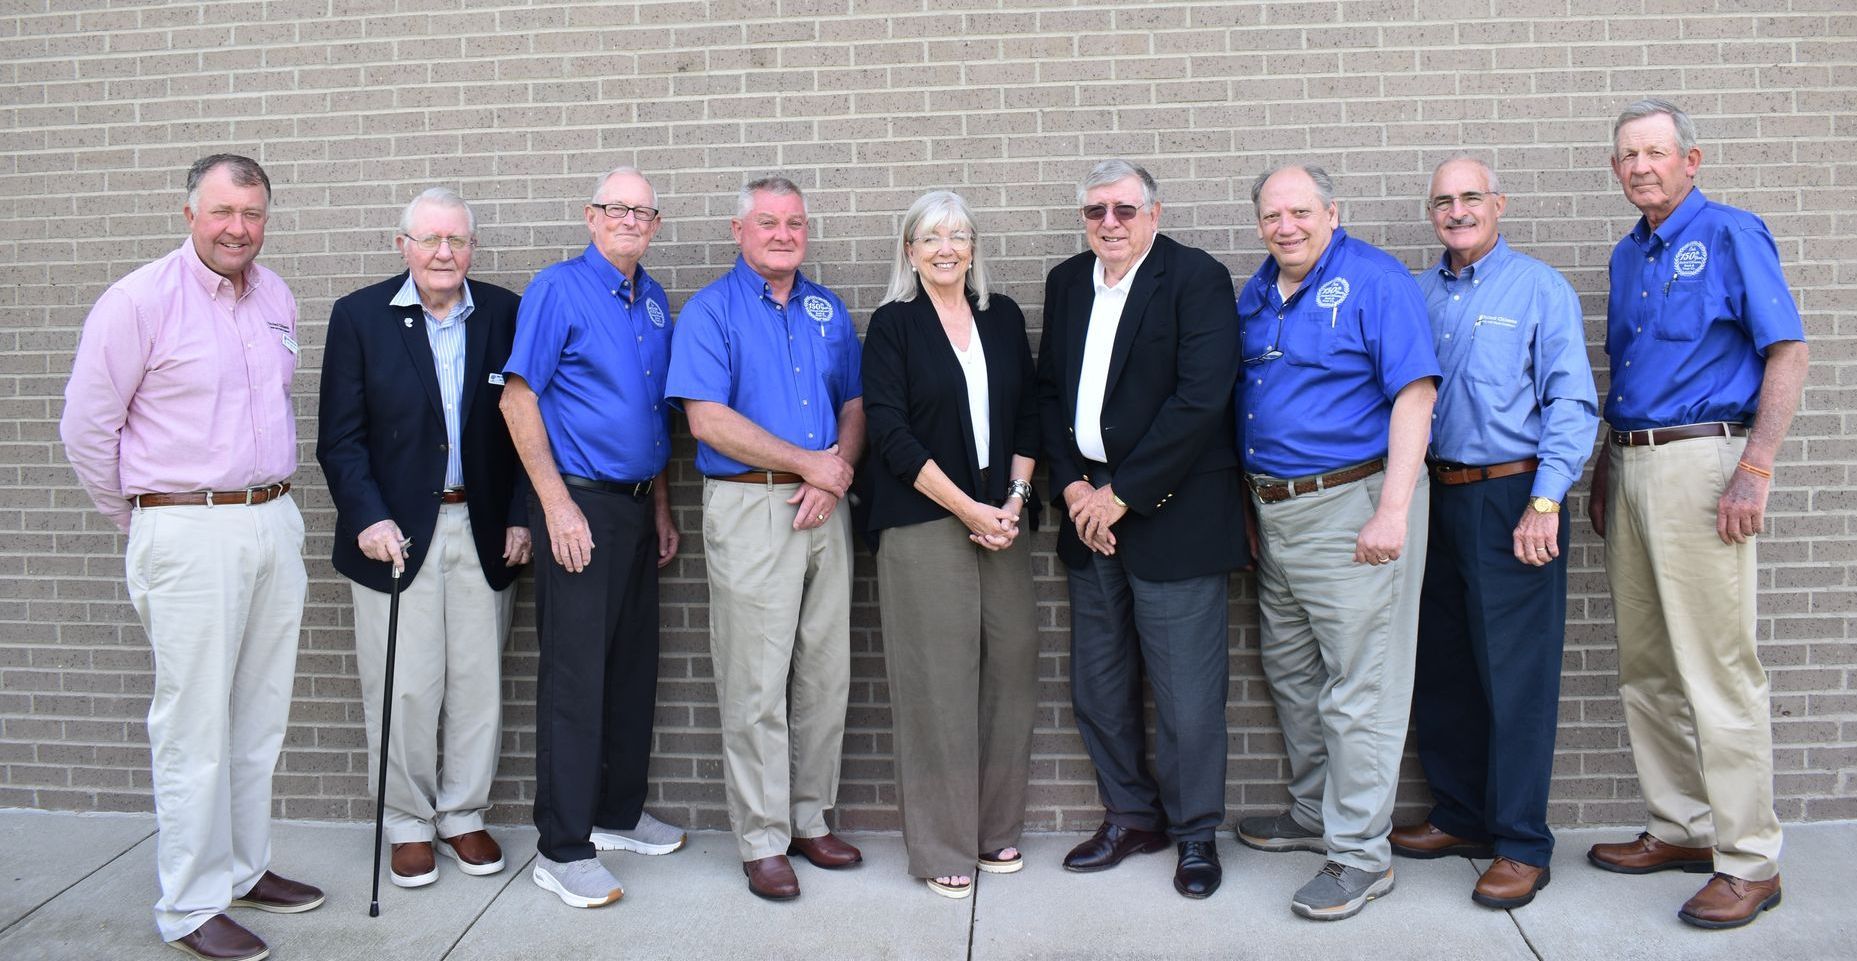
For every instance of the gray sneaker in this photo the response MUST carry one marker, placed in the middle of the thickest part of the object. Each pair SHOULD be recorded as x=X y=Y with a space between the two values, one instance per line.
x=582 y=884
x=1339 y=892
x=651 y=836
x=1279 y=832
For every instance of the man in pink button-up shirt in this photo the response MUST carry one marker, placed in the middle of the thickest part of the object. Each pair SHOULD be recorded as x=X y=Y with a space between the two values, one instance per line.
x=179 y=424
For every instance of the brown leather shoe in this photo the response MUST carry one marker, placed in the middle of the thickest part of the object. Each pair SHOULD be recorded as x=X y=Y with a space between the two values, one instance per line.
x=772 y=878
x=1509 y=884
x=1729 y=902
x=825 y=851
x=280 y=895
x=1648 y=854
x=222 y=939
x=412 y=865
x=475 y=851
x=1423 y=841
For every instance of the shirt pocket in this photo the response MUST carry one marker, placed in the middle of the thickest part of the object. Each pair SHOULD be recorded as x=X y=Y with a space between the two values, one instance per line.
x=1495 y=355
x=1309 y=340
x=1688 y=306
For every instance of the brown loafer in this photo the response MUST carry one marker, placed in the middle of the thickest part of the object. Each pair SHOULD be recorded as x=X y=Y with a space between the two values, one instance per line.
x=1729 y=902
x=475 y=851
x=825 y=851
x=772 y=878
x=280 y=895
x=222 y=939
x=1509 y=884
x=412 y=865
x=1648 y=854
x=1424 y=841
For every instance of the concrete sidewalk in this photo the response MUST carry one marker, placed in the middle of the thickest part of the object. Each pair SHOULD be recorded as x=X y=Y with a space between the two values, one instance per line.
x=81 y=886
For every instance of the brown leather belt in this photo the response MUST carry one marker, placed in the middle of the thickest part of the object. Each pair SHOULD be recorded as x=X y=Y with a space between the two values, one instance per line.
x=769 y=477
x=254 y=495
x=1664 y=435
x=1271 y=492
x=1453 y=474
x=451 y=495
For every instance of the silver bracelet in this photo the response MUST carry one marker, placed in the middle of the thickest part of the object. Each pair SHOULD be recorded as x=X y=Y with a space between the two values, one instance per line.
x=1022 y=488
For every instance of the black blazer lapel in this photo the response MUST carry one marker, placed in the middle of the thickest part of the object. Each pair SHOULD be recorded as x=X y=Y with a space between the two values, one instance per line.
x=1147 y=281
x=476 y=338
x=412 y=324
x=1077 y=329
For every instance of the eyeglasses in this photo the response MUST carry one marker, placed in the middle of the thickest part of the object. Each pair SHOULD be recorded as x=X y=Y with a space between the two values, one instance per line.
x=959 y=240
x=1123 y=212
x=1470 y=199
x=436 y=240
x=645 y=215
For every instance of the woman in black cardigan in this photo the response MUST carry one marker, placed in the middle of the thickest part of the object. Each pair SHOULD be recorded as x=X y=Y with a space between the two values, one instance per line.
x=953 y=431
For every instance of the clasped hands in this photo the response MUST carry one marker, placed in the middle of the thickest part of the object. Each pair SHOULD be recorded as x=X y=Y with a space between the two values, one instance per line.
x=824 y=481
x=1093 y=511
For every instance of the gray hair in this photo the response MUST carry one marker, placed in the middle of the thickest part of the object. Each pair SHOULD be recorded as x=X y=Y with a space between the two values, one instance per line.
x=1490 y=181
x=1686 y=138
x=244 y=170
x=1114 y=170
x=623 y=170
x=932 y=210
x=442 y=197
x=775 y=184
x=1324 y=184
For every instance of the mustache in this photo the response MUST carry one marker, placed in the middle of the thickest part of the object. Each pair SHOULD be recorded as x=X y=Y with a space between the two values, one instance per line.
x=1460 y=222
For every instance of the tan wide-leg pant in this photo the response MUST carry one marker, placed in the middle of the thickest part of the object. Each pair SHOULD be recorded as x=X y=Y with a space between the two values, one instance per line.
x=780 y=637
x=220 y=592
x=1689 y=673
x=447 y=682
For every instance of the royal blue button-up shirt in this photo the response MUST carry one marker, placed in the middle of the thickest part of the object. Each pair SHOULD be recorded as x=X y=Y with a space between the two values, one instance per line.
x=1322 y=368
x=1694 y=306
x=1517 y=384
x=788 y=368
x=595 y=346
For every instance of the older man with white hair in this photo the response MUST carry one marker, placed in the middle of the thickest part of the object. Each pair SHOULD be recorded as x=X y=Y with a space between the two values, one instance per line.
x=424 y=479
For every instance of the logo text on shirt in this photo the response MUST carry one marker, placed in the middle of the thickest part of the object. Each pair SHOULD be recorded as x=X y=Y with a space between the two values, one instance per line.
x=1332 y=293
x=819 y=309
x=1691 y=258
x=654 y=313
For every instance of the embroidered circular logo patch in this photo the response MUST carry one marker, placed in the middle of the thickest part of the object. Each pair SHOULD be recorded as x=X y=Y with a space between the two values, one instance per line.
x=818 y=308
x=655 y=313
x=1332 y=293
x=1691 y=258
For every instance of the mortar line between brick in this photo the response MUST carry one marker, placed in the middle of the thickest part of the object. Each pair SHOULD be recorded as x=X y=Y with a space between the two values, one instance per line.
x=60 y=893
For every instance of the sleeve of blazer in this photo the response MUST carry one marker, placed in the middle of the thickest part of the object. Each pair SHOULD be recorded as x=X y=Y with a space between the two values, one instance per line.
x=886 y=395
x=342 y=431
x=1206 y=366
x=1060 y=451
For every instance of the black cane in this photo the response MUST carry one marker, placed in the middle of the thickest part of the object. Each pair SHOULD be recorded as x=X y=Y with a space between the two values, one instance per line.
x=386 y=725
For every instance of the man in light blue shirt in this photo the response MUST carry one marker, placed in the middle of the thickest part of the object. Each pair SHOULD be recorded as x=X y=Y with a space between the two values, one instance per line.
x=1511 y=430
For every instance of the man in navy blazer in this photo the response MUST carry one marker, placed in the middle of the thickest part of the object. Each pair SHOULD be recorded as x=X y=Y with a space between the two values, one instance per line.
x=1135 y=374
x=424 y=478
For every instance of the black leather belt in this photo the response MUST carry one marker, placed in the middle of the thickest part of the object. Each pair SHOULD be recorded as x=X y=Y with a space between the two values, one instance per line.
x=628 y=488
x=1664 y=435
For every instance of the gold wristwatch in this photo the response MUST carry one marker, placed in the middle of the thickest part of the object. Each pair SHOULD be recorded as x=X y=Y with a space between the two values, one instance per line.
x=1542 y=505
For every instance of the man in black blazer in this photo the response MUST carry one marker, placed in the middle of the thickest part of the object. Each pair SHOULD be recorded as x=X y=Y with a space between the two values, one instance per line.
x=424 y=478
x=1139 y=356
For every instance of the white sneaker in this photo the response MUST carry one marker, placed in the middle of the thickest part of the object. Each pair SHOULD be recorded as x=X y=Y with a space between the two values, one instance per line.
x=582 y=884
x=651 y=836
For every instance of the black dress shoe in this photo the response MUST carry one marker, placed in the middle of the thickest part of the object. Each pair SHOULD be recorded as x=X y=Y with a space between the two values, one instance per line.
x=1198 y=874
x=1109 y=845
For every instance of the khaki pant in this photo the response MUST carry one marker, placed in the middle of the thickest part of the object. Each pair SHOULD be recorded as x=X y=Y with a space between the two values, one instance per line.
x=447 y=681
x=960 y=646
x=220 y=593
x=780 y=637
x=1689 y=673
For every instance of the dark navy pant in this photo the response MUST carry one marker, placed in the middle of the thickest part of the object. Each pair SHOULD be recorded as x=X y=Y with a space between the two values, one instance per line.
x=1487 y=689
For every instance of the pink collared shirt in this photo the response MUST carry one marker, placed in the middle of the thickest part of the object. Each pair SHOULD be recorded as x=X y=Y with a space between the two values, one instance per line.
x=180 y=385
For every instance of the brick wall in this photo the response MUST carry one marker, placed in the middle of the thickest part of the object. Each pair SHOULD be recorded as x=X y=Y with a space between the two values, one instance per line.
x=355 y=105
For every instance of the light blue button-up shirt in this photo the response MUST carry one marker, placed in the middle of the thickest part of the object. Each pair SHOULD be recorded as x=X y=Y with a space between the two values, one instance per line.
x=1517 y=383
x=446 y=335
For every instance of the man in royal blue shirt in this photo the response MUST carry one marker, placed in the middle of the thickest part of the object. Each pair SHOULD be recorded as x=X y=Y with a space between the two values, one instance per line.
x=584 y=399
x=1708 y=359
x=767 y=368
x=1511 y=431
x=1336 y=389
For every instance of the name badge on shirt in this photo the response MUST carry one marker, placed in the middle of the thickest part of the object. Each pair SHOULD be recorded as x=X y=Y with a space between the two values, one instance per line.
x=496 y=379
x=290 y=344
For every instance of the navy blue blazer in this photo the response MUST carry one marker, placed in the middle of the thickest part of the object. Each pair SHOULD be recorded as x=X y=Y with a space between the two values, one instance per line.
x=382 y=442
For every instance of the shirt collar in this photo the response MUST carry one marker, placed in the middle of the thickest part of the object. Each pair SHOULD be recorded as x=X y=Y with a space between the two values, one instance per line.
x=751 y=279
x=207 y=277
x=1679 y=219
x=408 y=296
x=1128 y=279
x=1482 y=268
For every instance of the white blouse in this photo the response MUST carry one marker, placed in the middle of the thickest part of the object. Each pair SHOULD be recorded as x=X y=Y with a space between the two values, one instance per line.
x=974 y=366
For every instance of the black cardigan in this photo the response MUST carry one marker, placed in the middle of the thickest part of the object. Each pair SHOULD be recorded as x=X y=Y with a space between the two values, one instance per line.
x=915 y=408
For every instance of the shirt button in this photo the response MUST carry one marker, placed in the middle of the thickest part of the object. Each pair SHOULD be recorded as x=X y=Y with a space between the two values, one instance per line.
x=1619 y=397
x=1260 y=380
x=802 y=402
x=809 y=435
x=1644 y=293
x=1250 y=417
x=796 y=370
x=1650 y=260
x=647 y=373
x=1639 y=330
x=1457 y=297
x=1628 y=363
x=1250 y=450
x=1447 y=336
x=641 y=339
